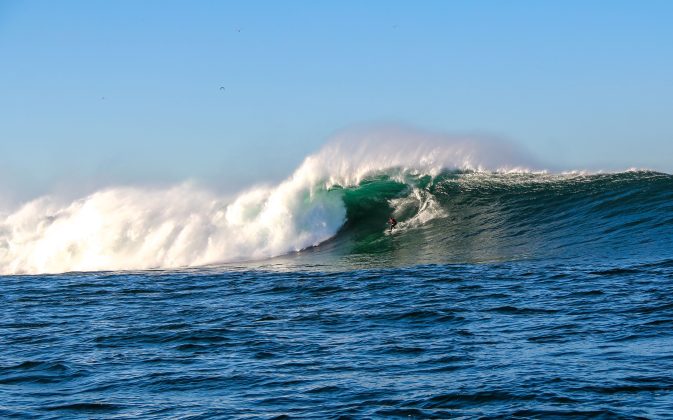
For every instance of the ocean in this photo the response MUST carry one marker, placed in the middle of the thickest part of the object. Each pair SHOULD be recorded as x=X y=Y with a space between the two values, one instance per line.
x=499 y=294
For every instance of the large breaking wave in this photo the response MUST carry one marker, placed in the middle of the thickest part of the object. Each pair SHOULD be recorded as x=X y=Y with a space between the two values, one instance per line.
x=457 y=199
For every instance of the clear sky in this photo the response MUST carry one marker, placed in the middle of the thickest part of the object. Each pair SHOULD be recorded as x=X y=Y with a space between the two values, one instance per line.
x=104 y=92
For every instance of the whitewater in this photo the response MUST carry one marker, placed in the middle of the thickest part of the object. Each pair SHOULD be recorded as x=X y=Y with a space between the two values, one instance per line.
x=187 y=225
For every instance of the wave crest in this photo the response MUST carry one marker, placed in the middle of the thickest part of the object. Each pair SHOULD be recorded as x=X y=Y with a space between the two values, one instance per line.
x=139 y=228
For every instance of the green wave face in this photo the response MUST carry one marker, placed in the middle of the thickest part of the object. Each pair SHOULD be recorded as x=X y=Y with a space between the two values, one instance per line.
x=460 y=217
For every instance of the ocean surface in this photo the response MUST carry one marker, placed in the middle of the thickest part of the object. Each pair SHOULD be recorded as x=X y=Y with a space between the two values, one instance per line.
x=498 y=295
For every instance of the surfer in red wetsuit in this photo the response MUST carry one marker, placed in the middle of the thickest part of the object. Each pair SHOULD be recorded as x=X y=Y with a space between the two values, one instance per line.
x=392 y=222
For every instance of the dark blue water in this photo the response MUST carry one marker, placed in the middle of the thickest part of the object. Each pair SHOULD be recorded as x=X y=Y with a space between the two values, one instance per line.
x=525 y=298
x=515 y=339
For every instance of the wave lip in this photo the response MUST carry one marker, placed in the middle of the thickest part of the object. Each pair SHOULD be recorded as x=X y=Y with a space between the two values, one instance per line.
x=357 y=154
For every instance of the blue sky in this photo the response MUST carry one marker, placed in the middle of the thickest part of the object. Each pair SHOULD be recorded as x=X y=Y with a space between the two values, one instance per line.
x=105 y=92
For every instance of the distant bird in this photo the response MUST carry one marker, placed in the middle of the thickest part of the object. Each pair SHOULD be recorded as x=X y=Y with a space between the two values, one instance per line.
x=238 y=29
x=223 y=88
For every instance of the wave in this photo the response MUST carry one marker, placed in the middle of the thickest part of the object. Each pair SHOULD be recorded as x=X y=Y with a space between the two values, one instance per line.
x=457 y=199
x=467 y=216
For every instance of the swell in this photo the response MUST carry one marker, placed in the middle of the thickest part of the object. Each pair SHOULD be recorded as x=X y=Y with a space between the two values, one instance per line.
x=477 y=217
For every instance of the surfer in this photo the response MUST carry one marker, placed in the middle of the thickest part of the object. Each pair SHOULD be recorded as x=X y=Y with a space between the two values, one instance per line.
x=392 y=222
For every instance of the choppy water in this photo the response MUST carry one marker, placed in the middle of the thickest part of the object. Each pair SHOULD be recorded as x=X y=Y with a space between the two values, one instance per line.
x=526 y=339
